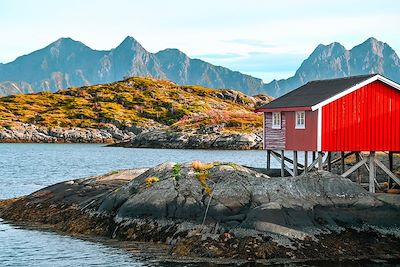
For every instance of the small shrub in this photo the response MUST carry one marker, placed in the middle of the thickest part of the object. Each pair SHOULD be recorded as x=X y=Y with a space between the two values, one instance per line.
x=151 y=180
x=176 y=171
x=202 y=177
x=200 y=167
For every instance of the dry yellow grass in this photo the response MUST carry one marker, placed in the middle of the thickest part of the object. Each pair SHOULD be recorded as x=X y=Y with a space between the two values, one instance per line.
x=135 y=101
x=151 y=180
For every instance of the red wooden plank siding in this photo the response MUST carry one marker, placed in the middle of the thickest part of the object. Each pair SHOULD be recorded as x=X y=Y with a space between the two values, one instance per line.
x=366 y=119
x=301 y=139
x=274 y=138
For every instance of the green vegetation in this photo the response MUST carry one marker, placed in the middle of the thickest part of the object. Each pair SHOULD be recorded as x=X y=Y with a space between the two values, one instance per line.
x=134 y=101
x=176 y=171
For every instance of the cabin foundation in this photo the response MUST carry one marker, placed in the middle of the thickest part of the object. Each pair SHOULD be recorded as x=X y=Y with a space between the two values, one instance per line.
x=369 y=161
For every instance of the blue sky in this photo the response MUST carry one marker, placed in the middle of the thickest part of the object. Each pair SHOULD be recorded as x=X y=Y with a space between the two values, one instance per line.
x=267 y=39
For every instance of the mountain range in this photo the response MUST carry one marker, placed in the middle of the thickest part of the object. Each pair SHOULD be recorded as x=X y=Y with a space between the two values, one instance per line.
x=66 y=62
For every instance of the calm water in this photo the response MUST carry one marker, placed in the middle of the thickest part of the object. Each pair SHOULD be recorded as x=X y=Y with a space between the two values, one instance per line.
x=29 y=167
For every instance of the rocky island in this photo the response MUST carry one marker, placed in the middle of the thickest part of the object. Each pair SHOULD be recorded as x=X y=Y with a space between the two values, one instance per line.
x=135 y=112
x=209 y=211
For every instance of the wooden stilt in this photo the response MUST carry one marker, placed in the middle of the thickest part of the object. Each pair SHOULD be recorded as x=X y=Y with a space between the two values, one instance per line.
x=329 y=161
x=390 y=167
x=359 y=177
x=388 y=172
x=372 y=172
x=305 y=161
x=283 y=163
x=295 y=168
x=319 y=160
x=313 y=155
x=268 y=160
x=287 y=159
x=342 y=162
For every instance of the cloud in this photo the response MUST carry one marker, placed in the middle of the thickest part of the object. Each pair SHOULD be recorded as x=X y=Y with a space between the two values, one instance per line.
x=250 y=42
x=217 y=56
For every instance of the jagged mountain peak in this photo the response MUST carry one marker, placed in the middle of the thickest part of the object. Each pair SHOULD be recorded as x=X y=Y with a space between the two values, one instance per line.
x=335 y=61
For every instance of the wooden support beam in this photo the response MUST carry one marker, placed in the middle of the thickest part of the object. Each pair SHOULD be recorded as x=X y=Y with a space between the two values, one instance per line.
x=354 y=168
x=268 y=160
x=313 y=155
x=312 y=165
x=305 y=161
x=319 y=160
x=388 y=172
x=283 y=163
x=359 y=176
x=372 y=172
x=329 y=161
x=288 y=159
x=342 y=157
x=295 y=161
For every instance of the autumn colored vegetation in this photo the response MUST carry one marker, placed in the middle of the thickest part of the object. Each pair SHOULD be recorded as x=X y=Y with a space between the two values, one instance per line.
x=135 y=101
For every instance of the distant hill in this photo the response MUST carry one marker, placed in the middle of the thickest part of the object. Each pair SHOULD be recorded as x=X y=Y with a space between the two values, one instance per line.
x=67 y=63
x=136 y=102
x=335 y=61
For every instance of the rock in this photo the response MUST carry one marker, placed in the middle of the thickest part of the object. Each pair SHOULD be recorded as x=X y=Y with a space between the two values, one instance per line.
x=246 y=214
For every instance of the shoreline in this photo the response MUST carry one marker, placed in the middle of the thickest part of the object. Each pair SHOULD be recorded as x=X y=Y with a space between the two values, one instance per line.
x=74 y=207
x=136 y=137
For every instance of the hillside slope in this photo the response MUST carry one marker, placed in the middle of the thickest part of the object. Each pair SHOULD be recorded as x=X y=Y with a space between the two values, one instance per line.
x=133 y=106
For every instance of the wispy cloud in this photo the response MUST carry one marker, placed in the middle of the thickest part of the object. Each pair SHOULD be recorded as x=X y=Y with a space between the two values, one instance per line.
x=218 y=56
x=250 y=42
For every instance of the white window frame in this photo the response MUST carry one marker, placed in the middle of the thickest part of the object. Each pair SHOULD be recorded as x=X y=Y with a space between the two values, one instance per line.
x=298 y=118
x=276 y=122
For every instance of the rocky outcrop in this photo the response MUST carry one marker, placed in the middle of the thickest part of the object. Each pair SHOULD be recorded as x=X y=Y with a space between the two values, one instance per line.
x=129 y=137
x=170 y=139
x=29 y=133
x=222 y=210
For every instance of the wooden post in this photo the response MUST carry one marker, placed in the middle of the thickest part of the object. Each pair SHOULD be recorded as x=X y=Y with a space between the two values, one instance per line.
x=372 y=172
x=342 y=161
x=359 y=177
x=390 y=167
x=295 y=168
x=391 y=161
x=283 y=163
x=268 y=160
x=329 y=161
x=313 y=156
x=305 y=161
x=319 y=160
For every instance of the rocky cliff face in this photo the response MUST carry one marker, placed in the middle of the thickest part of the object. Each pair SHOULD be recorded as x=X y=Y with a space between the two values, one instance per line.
x=335 y=61
x=67 y=63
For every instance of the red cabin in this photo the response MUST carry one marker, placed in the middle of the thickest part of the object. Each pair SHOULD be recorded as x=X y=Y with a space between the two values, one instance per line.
x=359 y=113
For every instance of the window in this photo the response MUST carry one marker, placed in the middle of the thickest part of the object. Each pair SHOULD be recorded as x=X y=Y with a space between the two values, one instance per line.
x=276 y=120
x=300 y=120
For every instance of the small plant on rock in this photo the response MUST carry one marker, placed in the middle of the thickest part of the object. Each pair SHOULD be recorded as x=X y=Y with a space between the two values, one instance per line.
x=151 y=180
x=176 y=171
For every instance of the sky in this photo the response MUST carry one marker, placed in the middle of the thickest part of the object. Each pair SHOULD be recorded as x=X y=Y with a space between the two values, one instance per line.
x=266 y=39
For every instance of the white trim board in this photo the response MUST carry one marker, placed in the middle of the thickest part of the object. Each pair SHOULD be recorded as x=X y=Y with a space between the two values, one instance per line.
x=319 y=129
x=354 y=88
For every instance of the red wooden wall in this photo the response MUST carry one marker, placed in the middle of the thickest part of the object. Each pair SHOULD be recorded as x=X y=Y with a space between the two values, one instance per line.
x=367 y=119
x=301 y=139
x=274 y=138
